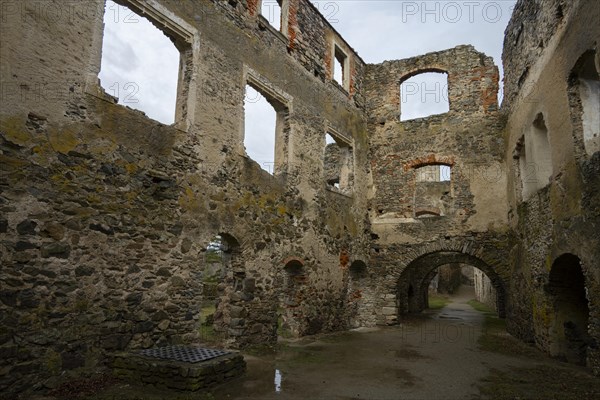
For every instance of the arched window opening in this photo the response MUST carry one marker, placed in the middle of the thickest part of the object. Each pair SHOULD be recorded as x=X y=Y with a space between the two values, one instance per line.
x=434 y=173
x=140 y=65
x=567 y=290
x=358 y=270
x=424 y=95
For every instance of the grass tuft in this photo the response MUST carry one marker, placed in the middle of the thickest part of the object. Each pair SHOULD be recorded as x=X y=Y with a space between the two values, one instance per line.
x=437 y=301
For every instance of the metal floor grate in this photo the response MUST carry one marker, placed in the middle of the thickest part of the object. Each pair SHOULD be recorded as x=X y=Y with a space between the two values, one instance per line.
x=183 y=353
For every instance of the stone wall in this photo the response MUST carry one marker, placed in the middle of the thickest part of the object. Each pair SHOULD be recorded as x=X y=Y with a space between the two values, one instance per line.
x=484 y=290
x=560 y=218
x=419 y=225
x=106 y=214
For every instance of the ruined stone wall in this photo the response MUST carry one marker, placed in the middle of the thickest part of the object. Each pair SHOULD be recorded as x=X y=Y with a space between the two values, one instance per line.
x=106 y=214
x=561 y=215
x=484 y=290
x=469 y=139
x=533 y=24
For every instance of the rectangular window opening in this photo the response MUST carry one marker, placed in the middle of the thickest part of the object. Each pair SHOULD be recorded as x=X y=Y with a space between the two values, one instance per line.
x=340 y=67
x=154 y=75
x=274 y=11
x=339 y=163
x=434 y=173
x=265 y=129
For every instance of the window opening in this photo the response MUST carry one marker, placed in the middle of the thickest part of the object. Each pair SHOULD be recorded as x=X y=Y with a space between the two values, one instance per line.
x=423 y=95
x=340 y=67
x=434 y=173
x=260 y=126
x=338 y=163
x=272 y=11
x=140 y=64
x=433 y=190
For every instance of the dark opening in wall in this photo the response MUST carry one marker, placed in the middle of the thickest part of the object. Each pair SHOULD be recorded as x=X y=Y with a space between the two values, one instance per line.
x=423 y=95
x=294 y=278
x=140 y=65
x=566 y=287
x=358 y=270
x=338 y=163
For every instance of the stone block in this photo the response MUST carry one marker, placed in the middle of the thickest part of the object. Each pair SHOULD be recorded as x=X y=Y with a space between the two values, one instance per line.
x=389 y=311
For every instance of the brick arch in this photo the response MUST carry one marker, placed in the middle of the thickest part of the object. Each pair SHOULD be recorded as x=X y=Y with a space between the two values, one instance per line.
x=419 y=71
x=293 y=261
x=430 y=159
x=421 y=268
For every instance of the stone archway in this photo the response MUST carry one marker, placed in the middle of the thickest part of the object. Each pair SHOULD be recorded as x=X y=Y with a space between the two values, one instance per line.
x=411 y=294
x=291 y=281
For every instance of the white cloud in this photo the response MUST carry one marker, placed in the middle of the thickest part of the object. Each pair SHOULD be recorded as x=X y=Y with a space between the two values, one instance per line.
x=139 y=64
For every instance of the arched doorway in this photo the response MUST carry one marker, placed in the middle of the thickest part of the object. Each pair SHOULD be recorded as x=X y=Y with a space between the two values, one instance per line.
x=222 y=274
x=412 y=287
x=569 y=332
x=358 y=290
x=291 y=283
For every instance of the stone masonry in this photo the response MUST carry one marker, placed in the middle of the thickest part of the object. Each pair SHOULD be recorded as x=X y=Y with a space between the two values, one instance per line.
x=105 y=214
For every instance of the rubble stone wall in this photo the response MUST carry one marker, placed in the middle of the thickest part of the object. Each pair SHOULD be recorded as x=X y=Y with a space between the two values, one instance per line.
x=561 y=217
x=438 y=222
x=106 y=214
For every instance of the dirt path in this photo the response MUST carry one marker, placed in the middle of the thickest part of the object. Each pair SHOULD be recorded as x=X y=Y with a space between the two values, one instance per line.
x=434 y=356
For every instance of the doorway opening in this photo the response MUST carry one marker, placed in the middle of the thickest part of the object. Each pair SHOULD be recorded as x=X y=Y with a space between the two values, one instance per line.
x=569 y=333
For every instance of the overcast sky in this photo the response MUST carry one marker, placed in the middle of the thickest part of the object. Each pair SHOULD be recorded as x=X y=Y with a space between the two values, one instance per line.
x=140 y=65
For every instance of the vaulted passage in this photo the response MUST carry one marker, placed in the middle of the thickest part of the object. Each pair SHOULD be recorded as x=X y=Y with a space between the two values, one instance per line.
x=413 y=285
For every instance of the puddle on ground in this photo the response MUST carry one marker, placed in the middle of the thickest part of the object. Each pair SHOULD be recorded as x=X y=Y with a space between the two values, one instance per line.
x=277 y=381
x=414 y=360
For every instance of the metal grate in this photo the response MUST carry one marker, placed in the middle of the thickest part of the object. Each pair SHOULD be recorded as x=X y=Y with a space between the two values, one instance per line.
x=182 y=353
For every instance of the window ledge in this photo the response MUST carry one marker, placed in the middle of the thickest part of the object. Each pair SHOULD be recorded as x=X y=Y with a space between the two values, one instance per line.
x=338 y=191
